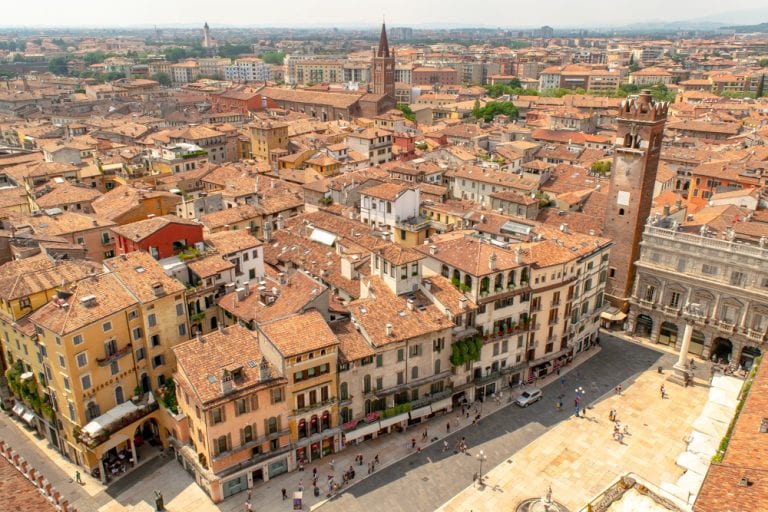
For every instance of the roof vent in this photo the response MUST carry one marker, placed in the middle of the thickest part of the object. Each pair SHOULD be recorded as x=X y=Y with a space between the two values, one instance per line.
x=88 y=301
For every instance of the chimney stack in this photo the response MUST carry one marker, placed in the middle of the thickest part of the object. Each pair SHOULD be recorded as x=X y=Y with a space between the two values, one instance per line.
x=427 y=285
x=389 y=329
x=432 y=250
x=409 y=304
x=264 y=370
x=518 y=255
x=666 y=210
x=463 y=303
x=492 y=261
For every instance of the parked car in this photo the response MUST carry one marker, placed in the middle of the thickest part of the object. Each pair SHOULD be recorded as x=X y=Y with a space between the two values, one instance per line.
x=528 y=397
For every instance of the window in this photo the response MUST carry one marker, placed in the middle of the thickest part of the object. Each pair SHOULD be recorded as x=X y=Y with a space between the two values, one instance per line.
x=414 y=269
x=217 y=415
x=105 y=237
x=379 y=383
x=621 y=211
x=62 y=361
x=400 y=378
x=114 y=368
x=179 y=309
x=650 y=293
x=344 y=391
x=85 y=380
x=400 y=355
x=71 y=410
x=152 y=320
x=248 y=435
x=137 y=333
x=182 y=330
x=158 y=360
x=738 y=278
x=414 y=350
x=107 y=326
x=674 y=299
x=82 y=359
x=367 y=384
x=140 y=354
x=241 y=406
x=612 y=272
x=276 y=395
x=710 y=270
x=437 y=366
x=414 y=372
x=404 y=272
x=65 y=380
x=25 y=302
x=221 y=444
x=155 y=340
x=379 y=360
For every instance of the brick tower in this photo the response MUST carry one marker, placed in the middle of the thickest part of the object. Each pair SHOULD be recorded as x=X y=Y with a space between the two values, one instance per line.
x=384 y=67
x=635 y=161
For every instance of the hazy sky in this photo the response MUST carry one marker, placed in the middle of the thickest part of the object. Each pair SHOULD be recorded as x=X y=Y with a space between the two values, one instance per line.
x=502 y=13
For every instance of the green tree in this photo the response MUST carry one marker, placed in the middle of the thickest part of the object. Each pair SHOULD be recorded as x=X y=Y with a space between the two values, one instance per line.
x=162 y=78
x=233 y=50
x=763 y=63
x=493 y=109
x=477 y=110
x=18 y=57
x=60 y=43
x=94 y=57
x=602 y=167
x=113 y=75
x=760 y=87
x=273 y=57
x=175 y=54
x=406 y=110
x=58 y=66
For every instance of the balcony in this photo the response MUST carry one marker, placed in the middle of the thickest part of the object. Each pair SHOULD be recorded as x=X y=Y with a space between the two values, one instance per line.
x=479 y=381
x=756 y=335
x=413 y=223
x=109 y=358
x=646 y=304
x=672 y=311
x=726 y=327
x=101 y=428
x=699 y=320
x=316 y=405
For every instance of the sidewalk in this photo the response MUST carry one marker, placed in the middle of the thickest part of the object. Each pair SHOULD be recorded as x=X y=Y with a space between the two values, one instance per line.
x=182 y=494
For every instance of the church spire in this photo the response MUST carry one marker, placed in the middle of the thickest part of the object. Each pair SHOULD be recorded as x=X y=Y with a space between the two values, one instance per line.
x=383 y=43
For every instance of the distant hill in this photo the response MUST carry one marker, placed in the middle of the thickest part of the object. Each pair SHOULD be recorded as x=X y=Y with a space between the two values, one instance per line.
x=762 y=27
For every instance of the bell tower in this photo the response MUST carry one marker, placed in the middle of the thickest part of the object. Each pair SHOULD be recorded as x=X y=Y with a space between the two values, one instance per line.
x=635 y=160
x=384 y=67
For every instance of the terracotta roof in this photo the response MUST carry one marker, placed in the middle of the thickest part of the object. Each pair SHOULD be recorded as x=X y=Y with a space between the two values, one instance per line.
x=448 y=295
x=208 y=266
x=232 y=241
x=289 y=335
x=111 y=297
x=386 y=191
x=141 y=229
x=25 y=277
x=18 y=493
x=67 y=193
x=202 y=362
x=123 y=199
x=352 y=344
x=141 y=273
x=384 y=307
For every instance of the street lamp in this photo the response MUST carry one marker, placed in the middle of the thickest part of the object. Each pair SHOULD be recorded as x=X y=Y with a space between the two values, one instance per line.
x=579 y=395
x=481 y=457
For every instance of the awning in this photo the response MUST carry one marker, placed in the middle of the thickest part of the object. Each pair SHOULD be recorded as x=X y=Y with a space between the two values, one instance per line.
x=18 y=409
x=26 y=376
x=110 y=417
x=28 y=416
x=420 y=412
x=613 y=315
x=393 y=420
x=371 y=428
x=446 y=403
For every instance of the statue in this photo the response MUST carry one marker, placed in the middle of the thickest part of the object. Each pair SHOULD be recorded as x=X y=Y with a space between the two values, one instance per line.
x=159 y=506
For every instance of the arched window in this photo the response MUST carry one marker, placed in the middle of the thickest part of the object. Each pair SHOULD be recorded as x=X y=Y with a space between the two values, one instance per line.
x=468 y=281
x=119 y=398
x=302 y=429
x=456 y=275
x=325 y=421
x=485 y=283
x=214 y=322
x=92 y=411
x=344 y=391
x=314 y=426
x=346 y=414
x=247 y=434
x=444 y=271
x=499 y=284
x=511 y=279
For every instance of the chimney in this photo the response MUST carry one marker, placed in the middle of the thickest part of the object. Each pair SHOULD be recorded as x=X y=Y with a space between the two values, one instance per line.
x=281 y=278
x=427 y=285
x=263 y=295
x=492 y=261
x=666 y=210
x=157 y=289
x=247 y=288
x=241 y=293
x=432 y=250
x=226 y=382
x=564 y=228
x=518 y=255
x=409 y=304
x=264 y=370
x=229 y=288
x=88 y=301
x=463 y=303
x=389 y=329
x=679 y=204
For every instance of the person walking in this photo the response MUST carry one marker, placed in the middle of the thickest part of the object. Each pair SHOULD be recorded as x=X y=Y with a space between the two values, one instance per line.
x=285 y=494
x=376 y=459
x=663 y=392
x=448 y=428
x=445 y=445
x=425 y=435
x=78 y=479
x=413 y=443
x=332 y=464
x=457 y=421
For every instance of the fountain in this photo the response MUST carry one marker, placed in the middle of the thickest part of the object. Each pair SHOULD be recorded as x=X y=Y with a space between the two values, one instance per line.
x=545 y=504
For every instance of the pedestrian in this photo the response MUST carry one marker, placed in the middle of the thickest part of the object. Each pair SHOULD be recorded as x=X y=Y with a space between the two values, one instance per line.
x=477 y=418
x=559 y=405
x=425 y=435
x=413 y=443
x=332 y=464
x=249 y=495
x=248 y=506
x=620 y=388
x=301 y=464
x=301 y=484
x=314 y=482
x=663 y=391
x=376 y=459
x=448 y=428
x=370 y=468
x=314 y=472
x=77 y=478
x=445 y=445
x=457 y=419
x=285 y=494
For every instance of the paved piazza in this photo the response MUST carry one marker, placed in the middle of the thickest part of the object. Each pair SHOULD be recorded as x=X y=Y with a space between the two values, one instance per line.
x=527 y=450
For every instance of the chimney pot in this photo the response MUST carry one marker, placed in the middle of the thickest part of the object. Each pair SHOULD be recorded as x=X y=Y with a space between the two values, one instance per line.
x=389 y=329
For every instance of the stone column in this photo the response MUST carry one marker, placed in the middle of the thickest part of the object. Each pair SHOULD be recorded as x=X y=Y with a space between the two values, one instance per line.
x=133 y=452
x=681 y=367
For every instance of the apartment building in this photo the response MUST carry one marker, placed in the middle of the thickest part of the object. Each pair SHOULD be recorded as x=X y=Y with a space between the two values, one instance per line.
x=107 y=339
x=393 y=207
x=235 y=434
x=248 y=69
x=376 y=144
x=267 y=136
x=185 y=72
x=715 y=261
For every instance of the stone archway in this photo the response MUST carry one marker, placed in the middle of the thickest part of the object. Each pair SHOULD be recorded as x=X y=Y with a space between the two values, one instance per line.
x=722 y=350
x=643 y=326
x=668 y=334
x=748 y=355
